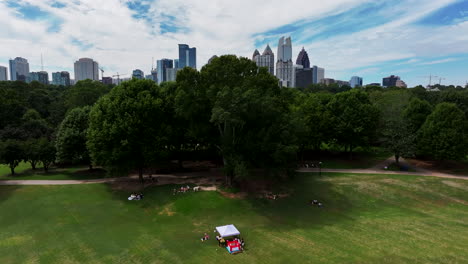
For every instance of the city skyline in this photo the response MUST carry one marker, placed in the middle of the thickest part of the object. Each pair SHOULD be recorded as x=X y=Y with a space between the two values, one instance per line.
x=371 y=39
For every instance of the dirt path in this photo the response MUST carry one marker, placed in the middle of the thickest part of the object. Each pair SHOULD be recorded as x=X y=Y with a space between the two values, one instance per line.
x=374 y=171
x=207 y=177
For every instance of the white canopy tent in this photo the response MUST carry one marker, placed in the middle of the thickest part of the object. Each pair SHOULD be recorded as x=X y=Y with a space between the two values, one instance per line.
x=227 y=230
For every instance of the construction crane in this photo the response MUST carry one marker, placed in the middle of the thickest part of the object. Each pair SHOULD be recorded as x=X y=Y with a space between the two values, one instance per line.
x=430 y=78
x=102 y=73
x=118 y=77
x=440 y=80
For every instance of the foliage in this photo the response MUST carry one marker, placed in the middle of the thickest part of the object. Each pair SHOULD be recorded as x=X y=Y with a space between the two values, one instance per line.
x=416 y=113
x=252 y=115
x=11 y=154
x=84 y=93
x=71 y=137
x=354 y=119
x=46 y=152
x=395 y=131
x=443 y=135
x=126 y=127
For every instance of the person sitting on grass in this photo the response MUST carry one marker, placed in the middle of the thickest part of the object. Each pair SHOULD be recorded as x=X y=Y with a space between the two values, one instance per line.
x=205 y=237
x=132 y=197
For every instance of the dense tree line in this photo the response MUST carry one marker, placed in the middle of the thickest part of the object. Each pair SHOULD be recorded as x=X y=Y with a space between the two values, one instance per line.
x=230 y=108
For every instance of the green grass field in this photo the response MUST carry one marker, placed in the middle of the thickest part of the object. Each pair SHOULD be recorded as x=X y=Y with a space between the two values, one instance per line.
x=366 y=219
x=24 y=172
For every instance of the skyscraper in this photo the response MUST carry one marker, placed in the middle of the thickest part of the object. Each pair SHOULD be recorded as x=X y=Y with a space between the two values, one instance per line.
x=390 y=81
x=138 y=74
x=187 y=56
x=61 y=78
x=255 y=54
x=42 y=77
x=355 y=81
x=284 y=66
x=171 y=74
x=19 y=69
x=153 y=76
x=317 y=74
x=267 y=59
x=303 y=59
x=303 y=76
x=3 y=73
x=163 y=65
x=86 y=68
x=176 y=63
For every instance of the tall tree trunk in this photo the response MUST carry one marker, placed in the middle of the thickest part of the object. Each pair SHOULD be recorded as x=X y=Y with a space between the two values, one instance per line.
x=90 y=166
x=12 y=169
x=140 y=174
x=397 y=159
x=33 y=165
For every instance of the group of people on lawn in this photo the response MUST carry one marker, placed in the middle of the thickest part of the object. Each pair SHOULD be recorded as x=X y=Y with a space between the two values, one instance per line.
x=223 y=242
x=135 y=197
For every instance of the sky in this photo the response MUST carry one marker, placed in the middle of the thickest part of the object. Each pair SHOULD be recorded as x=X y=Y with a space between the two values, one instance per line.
x=369 y=38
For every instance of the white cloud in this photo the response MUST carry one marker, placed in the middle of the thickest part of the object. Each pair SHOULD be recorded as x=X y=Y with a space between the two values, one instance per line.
x=438 y=61
x=121 y=43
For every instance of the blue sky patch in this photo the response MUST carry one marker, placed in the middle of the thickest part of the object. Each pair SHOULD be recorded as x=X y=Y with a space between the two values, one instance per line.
x=449 y=15
x=30 y=12
x=83 y=45
x=347 y=22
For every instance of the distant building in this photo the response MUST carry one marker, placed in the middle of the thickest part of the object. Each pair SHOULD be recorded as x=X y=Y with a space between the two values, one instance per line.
x=153 y=76
x=163 y=65
x=106 y=80
x=284 y=66
x=373 y=84
x=342 y=83
x=171 y=74
x=42 y=77
x=390 y=81
x=303 y=76
x=86 y=68
x=187 y=56
x=267 y=59
x=176 y=63
x=327 y=81
x=3 y=73
x=212 y=58
x=355 y=81
x=61 y=78
x=303 y=59
x=317 y=74
x=19 y=69
x=138 y=74
x=401 y=84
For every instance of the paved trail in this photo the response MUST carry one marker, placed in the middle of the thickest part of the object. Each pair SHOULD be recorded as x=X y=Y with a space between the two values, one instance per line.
x=374 y=170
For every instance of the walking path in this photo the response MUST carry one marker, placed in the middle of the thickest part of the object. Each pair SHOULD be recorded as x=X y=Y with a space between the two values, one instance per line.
x=378 y=169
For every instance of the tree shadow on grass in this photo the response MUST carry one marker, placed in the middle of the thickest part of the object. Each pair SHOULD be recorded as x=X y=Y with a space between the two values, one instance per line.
x=72 y=173
x=296 y=210
x=6 y=191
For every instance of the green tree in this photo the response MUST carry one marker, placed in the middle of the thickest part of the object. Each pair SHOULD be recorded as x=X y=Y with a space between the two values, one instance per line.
x=71 y=137
x=416 y=113
x=252 y=115
x=353 y=118
x=31 y=151
x=46 y=152
x=84 y=93
x=126 y=128
x=11 y=154
x=395 y=131
x=312 y=111
x=443 y=135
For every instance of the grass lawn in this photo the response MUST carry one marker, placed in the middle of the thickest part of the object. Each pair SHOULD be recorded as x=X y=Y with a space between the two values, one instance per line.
x=24 y=172
x=366 y=219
